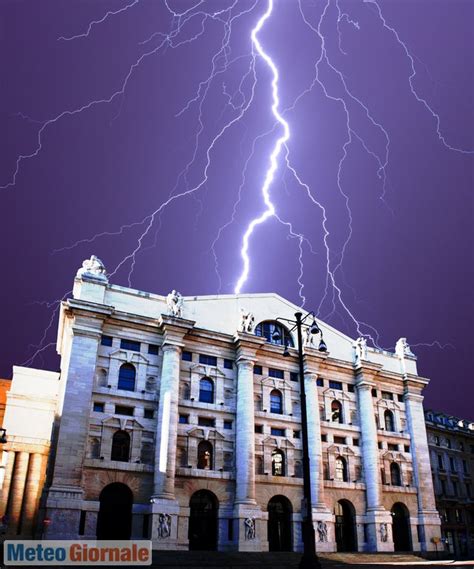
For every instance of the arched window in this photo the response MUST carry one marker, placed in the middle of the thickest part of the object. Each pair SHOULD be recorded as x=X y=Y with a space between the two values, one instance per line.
x=205 y=455
x=395 y=476
x=206 y=390
x=389 y=421
x=336 y=412
x=94 y=448
x=121 y=446
x=127 y=376
x=274 y=333
x=340 y=469
x=278 y=463
x=276 y=402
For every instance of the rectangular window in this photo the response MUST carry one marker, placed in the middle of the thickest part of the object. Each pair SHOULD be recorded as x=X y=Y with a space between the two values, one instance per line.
x=82 y=522
x=184 y=419
x=443 y=486
x=452 y=464
x=464 y=466
x=294 y=376
x=455 y=488
x=320 y=382
x=187 y=356
x=440 y=462
x=230 y=529
x=207 y=360
x=98 y=407
x=296 y=434
x=437 y=441
x=392 y=446
x=206 y=422
x=277 y=373
x=406 y=448
x=228 y=364
x=350 y=388
x=106 y=341
x=153 y=349
x=324 y=438
x=461 y=446
x=448 y=443
x=257 y=370
x=458 y=515
x=130 y=345
x=340 y=440
x=468 y=490
x=355 y=442
x=148 y=413
x=387 y=395
x=123 y=410
x=379 y=444
x=374 y=392
x=472 y=448
x=259 y=429
x=277 y=432
x=335 y=385
x=228 y=425
x=400 y=398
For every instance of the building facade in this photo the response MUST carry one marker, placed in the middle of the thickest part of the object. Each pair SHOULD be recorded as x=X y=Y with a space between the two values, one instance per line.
x=180 y=420
x=451 y=442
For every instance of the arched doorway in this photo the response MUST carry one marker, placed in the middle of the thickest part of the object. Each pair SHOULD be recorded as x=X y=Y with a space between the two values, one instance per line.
x=203 y=521
x=115 y=514
x=401 y=527
x=345 y=526
x=279 y=524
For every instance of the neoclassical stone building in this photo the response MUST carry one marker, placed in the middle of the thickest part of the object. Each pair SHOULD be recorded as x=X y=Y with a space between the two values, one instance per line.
x=180 y=420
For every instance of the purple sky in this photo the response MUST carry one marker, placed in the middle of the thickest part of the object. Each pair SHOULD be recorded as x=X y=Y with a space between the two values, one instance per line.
x=407 y=269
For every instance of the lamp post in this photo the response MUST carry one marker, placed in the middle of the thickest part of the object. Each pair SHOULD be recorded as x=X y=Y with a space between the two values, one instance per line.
x=3 y=436
x=309 y=559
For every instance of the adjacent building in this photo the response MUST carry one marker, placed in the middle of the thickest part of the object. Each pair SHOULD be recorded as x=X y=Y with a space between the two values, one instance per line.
x=180 y=420
x=451 y=442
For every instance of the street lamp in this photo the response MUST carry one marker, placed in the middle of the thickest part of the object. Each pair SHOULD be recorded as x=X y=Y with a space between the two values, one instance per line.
x=310 y=559
x=3 y=436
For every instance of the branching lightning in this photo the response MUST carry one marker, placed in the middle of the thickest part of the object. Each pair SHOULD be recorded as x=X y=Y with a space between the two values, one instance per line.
x=237 y=104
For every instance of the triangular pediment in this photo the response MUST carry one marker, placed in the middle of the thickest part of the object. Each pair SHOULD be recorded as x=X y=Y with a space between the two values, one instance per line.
x=129 y=356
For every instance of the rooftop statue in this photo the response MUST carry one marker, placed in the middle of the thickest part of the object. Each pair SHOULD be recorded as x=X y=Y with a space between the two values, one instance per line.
x=94 y=268
x=174 y=300
x=402 y=348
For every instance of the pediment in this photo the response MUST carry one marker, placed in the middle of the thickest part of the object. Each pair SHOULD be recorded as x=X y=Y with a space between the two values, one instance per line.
x=206 y=371
x=129 y=356
x=336 y=394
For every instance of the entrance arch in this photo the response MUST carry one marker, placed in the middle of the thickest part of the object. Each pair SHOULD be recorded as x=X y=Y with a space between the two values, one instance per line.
x=202 y=532
x=401 y=527
x=346 y=539
x=115 y=514
x=279 y=524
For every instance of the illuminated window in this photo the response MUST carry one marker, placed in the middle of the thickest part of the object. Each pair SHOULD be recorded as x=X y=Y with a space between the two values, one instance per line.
x=336 y=412
x=274 y=333
x=205 y=455
x=276 y=402
x=278 y=463
x=340 y=472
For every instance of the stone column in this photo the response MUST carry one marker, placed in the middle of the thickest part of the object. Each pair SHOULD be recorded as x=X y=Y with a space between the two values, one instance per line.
x=17 y=491
x=245 y=434
x=376 y=513
x=314 y=442
x=245 y=505
x=167 y=423
x=5 y=492
x=65 y=495
x=32 y=494
x=428 y=517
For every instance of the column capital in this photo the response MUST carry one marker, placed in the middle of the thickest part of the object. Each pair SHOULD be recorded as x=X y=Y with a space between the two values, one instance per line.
x=415 y=397
x=171 y=347
x=174 y=329
x=243 y=363
x=247 y=346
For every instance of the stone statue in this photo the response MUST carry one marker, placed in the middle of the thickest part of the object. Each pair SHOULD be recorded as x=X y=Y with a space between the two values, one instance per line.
x=174 y=300
x=94 y=268
x=247 y=321
x=322 y=532
x=360 y=347
x=384 y=532
x=164 y=526
x=402 y=348
x=250 y=528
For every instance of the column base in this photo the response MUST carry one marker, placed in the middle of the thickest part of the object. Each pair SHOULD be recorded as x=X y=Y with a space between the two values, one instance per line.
x=430 y=523
x=379 y=530
x=324 y=529
x=250 y=528
x=165 y=519
x=63 y=512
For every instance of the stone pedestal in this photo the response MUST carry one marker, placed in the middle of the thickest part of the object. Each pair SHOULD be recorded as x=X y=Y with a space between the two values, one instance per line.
x=324 y=530
x=63 y=510
x=250 y=529
x=165 y=521
x=379 y=530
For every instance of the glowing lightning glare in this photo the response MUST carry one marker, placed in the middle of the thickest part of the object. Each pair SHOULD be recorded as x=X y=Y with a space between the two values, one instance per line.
x=270 y=210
